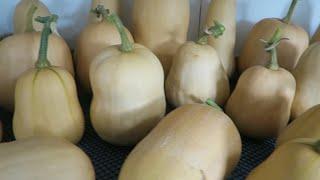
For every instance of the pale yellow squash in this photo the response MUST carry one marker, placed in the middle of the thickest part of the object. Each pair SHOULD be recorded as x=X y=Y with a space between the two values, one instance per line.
x=44 y=158
x=19 y=53
x=93 y=39
x=162 y=26
x=289 y=51
x=316 y=36
x=305 y=126
x=194 y=142
x=197 y=73
x=225 y=12
x=25 y=12
x=295 y=160
x=261 y=103
x=46 y=101
x=307 y=75
x=128 y=91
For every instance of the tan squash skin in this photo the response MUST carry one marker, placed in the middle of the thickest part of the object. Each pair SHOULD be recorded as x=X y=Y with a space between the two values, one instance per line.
x=196 y=75
x=224 y=11
x=162 y=26
x=113 y=5
x=305 y=126
x=46 y=104
x=20 y=15
x=194 y=142
x=261 y=102
x=44 y=158
x=289 y=51
x=128 y=94
x=94 y=38
x=19 y=53
x=295 y=160
x=307 y=75
x=316 y=36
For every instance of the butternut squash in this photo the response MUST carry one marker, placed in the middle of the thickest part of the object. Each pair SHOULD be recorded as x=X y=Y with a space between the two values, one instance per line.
x=224 y=11
x=195 y=141
x=316 y=36
x=19 y=53
x=295 y=160
x=25 y=13
x=92 y=40
x=289 y=51
x=44 y=158
x=162 y=26
x=197 y=73
x=307 y=75
x=305 y=126
x=46 y=101
x=128 y=90
x=261 y=102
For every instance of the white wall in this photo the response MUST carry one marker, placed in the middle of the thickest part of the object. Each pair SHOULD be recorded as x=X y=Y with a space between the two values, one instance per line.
x=73 y=15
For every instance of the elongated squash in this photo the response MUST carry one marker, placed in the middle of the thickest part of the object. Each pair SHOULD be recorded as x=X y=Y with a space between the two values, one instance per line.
x=289 y=51
x=162 y=26
x=305 y=126
x=307 y=75
x=197 y=73
x=46 y=101
x=92 y=40
x=19 y=53
x=194 y=142
x=128 y=90
x=261 y=103
x=25 y=13
x=295 y=160
x=44 y=158
x=225 y=12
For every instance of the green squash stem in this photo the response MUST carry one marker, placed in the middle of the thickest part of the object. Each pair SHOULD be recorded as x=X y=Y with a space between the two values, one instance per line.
x=271 y=47
x=29 y=18
x=287 y=18
x=43 y=61
x=126 y=45
x=216 y=31
x=213 y=104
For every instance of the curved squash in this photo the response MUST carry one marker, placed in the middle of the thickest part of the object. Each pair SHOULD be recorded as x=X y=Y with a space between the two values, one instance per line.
x=128 y=94
x=295 y=160
x=195 y=141
x=93 y=39
x=307 y=75
x=289 y=51
x=19 y=53
x=225 y=12
x=46 y=101
x=305 y=126
x=25 y=13
x=44 y=158
x=197 y=73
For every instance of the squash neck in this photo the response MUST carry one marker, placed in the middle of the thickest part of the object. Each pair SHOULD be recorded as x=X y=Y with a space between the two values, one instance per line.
x=29 y=18
x=215 y=31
